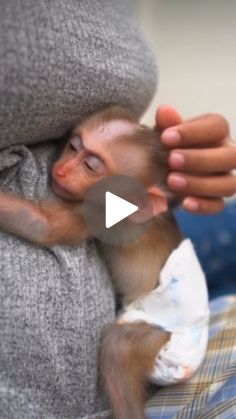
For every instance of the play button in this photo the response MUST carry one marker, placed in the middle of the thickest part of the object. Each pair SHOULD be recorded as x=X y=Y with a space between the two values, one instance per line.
x=111 y=209
x=117 y=209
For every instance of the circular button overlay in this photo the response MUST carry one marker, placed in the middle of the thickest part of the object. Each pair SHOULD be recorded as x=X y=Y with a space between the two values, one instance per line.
x=109 y=200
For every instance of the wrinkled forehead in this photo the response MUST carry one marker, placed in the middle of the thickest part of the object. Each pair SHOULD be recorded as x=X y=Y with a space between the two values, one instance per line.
x=104 y=132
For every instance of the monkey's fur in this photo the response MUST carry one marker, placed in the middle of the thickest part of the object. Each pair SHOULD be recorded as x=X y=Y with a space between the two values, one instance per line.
x=128 y=351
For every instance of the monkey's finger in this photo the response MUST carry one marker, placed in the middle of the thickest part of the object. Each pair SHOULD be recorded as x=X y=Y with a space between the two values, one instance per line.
x=201 y=131
x=208 y=160
x=203 y=205
x=208 y=186
x=166 y=117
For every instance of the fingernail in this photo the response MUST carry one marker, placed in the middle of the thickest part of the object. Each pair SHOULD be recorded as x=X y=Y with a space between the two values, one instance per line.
x=176 y=160
x=191 y=204
x=177 y=181
x=171 y=137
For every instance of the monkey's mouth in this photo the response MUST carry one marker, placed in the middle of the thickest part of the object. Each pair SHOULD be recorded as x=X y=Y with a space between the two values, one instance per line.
x=62 y=192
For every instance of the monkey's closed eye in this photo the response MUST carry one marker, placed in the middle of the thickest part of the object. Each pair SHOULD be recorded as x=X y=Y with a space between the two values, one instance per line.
x=75 y=144
x=94 y=164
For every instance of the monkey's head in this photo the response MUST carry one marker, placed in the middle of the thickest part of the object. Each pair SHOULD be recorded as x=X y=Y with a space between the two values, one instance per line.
x=108 y=143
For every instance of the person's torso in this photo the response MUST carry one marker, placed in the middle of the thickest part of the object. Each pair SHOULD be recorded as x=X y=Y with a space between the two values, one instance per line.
x=59 y=61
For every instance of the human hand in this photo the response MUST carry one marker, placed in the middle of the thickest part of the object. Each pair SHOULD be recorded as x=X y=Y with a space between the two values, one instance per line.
x=202 y=156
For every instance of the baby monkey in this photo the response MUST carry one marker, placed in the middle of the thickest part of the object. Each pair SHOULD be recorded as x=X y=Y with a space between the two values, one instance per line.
x=112 y=142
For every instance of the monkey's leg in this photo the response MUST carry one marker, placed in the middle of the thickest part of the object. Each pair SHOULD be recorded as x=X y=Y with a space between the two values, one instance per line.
x=127 y=358
x=43 y=223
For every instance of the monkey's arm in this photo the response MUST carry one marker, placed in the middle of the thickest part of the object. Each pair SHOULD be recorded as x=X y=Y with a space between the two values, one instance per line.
x=42 y=223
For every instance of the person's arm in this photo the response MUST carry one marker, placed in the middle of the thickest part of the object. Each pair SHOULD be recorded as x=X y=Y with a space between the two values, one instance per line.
x=202 y=157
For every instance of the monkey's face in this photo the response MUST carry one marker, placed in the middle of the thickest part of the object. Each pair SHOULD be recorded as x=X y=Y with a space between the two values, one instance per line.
x=87 y=158
x=76 y=170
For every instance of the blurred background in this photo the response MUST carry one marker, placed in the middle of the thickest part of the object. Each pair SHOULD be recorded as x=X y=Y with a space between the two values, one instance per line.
x=194 y=42
x=195 y=47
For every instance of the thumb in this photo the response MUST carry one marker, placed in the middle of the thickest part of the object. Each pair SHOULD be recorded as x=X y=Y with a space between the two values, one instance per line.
x=167 y=117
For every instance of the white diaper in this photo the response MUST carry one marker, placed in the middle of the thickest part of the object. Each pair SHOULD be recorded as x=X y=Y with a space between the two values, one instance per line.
x=179 y=305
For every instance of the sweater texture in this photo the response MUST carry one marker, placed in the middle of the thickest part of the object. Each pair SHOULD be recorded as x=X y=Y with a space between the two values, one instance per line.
x=59 y=60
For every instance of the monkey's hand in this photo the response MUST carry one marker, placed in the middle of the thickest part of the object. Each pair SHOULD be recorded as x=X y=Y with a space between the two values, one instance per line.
x=43 y=223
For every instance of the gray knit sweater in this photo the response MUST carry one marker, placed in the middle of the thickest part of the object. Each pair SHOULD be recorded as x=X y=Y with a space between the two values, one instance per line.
x=58 y=61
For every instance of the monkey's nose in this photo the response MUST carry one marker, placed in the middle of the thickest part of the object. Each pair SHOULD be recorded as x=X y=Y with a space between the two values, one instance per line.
x=65 y=168
x=60 y=173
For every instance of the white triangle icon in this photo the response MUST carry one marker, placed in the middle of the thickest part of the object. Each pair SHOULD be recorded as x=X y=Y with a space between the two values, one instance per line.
x=117 y=209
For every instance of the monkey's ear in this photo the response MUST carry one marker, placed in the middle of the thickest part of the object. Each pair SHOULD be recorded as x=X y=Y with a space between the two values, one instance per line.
x=154 y=203
x=158 y=200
